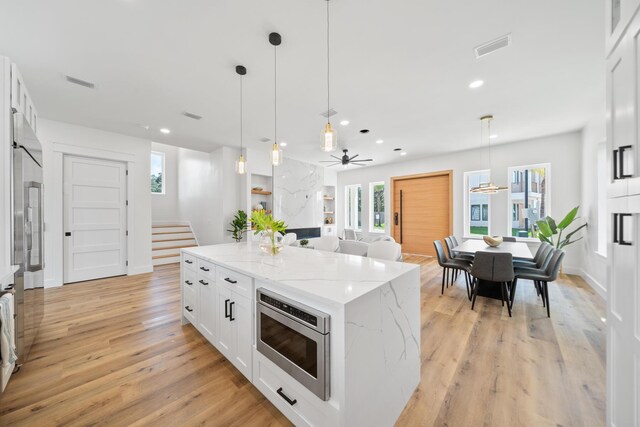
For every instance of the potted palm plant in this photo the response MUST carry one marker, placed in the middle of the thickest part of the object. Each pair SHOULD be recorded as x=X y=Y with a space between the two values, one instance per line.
x=271 y=230
x=548 y=229
x=238 y=225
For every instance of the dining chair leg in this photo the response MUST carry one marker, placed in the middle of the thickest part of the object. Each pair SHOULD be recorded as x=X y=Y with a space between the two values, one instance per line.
x=514 y=285
x=542 y=293
x=448 y=277
x=537 y=284
x=546 y=295
x=504 y=291
x=466 y=281
x=444 y=272
x=475 y=293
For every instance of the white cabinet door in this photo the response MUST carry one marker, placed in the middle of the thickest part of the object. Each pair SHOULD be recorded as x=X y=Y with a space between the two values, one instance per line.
x=207 y=307
x=224 y=338
x=242 y=321
x=623 y=315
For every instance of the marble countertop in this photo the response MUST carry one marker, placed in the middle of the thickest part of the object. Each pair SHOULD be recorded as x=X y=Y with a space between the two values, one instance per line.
x=5 y=277
x=333 y=277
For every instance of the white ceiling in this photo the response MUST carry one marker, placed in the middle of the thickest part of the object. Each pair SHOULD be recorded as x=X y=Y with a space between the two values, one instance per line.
x=399 y=68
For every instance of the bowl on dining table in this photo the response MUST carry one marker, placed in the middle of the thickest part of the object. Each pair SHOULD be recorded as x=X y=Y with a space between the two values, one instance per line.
x=494 y=241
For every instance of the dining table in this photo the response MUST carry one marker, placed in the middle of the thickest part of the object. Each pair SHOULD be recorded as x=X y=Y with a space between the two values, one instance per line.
x=471 y=246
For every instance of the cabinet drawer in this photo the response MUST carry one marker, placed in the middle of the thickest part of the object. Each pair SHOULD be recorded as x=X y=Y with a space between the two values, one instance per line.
x=269 y=379
x=189 y=261
x=189 y=302
x=239 y=283
x=207 y=269
x=189 y=280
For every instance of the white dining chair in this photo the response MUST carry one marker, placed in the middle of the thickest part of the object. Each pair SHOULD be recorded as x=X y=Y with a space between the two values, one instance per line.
x=289 y=239
x=352 y=247
x=350 y=234
x=385 y=250
x=326 y=243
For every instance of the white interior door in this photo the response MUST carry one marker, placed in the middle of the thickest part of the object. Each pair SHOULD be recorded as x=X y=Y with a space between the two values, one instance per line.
x=95 y=218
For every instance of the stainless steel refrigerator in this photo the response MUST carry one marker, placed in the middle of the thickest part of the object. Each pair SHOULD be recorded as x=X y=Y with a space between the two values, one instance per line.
x=28 y=234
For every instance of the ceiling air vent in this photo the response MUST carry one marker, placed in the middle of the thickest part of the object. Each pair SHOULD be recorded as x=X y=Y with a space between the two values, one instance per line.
x=191 y=115
x=265 y=139
x=80 y=82
x=493 y=46
x=329 y=113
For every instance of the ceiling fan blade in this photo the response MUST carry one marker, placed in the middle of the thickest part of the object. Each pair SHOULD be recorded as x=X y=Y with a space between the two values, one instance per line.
x=337 y=158
x=357 y=164
x=353 y=157
x=363 y=160
x=328 y=161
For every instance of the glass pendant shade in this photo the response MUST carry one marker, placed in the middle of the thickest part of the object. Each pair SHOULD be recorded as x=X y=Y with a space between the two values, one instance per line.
x=241 y=165
x=276 y=155
x=487 y=188
x=329 y=139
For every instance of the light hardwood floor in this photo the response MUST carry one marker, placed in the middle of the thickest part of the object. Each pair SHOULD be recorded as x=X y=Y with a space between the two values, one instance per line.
x=112 y=352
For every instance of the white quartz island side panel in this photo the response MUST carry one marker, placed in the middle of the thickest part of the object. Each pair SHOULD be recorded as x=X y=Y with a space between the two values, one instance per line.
x=374 y=336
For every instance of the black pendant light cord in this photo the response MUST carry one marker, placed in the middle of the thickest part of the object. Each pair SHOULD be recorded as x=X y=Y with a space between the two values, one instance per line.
x=275 y=94
x=241 y=115
x=328 y=56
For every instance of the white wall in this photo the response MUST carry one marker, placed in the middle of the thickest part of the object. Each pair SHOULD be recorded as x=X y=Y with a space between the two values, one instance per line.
x=58 y=138
x=594 y=268
x=5 y=167
x=562 y=151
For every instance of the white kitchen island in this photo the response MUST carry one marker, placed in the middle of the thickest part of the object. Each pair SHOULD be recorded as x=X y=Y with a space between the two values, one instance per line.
x=373 y=353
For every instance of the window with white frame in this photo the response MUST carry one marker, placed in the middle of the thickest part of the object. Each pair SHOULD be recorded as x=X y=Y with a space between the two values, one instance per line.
x=157 y=172
x=477 y=210
x=529 y=199
x=376 y=207
x=353 y=207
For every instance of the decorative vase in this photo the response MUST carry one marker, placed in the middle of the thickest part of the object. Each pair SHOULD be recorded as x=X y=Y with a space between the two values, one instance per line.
x=271 y=243
x=494 y=242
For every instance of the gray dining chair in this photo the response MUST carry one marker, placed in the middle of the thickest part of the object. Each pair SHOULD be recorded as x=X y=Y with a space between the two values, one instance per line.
x=539 y=258
x=452 y=265
x=496 y=267
x=449 y=243
x=508 y=239
x=541 y=277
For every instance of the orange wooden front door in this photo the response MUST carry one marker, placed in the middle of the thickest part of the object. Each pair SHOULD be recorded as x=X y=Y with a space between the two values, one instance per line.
x=421 y=211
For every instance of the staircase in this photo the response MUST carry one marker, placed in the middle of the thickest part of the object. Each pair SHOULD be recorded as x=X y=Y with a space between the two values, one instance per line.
x=168 y=238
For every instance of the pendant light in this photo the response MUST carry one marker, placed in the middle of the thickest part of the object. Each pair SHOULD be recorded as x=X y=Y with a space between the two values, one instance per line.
x=241 y=163
x=487 y=187
x=329 y=135
x=276 y=152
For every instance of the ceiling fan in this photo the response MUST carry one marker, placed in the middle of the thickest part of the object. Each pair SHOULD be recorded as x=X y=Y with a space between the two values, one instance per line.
x=346 y=160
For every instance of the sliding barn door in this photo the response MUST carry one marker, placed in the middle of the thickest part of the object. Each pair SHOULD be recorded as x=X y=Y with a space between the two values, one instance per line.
x=421 y=211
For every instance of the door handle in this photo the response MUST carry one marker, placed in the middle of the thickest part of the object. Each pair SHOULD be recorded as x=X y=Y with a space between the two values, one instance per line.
x=615 y=228
x=400 y=216
x=614 y=157
x=226 y=308
x=621 y=240
x=231 y=318
x=395 y=218
x=621 y=151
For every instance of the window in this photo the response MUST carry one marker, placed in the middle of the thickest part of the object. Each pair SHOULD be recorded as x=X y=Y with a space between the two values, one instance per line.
x=477 y=211
x=353 y=207
x=376 y=207
x=529 y=198
x=157 y=172
x=602 y=198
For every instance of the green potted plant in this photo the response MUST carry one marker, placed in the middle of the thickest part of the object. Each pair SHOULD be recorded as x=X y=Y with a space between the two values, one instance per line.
x=304 y=243
x=271 y=231
x=548 y=229
x=238 y=225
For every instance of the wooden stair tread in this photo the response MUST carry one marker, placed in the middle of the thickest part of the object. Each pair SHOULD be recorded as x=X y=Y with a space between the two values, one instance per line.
x=174 y=247
x=169 y=226
x=171 y=232
x=172 y=240
x=165 y=256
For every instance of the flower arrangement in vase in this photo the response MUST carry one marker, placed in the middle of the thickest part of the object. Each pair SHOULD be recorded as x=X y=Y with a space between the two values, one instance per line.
x=271 y=230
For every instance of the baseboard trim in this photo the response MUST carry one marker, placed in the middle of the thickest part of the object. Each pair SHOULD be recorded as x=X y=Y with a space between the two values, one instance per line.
x=52 y=283
x=140 y=270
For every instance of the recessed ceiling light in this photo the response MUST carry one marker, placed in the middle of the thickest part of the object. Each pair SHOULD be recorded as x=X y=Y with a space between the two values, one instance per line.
x=380 y=141
x=494 y=136
x=283 y=144
x=404 y=153
x=165 y=131
x=476 y=84
x=344 y=122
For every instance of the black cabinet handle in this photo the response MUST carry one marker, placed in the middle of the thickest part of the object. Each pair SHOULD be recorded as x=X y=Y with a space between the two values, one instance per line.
x=615 y=165
x=204 y=269
x=621 y=151
x=285 y=397
x=231 y=318
x=621 y=240
x=615 y=228
x=189 y=309
x=230 y=281
x=188 y=282
x=188 y=261
x=226 y=309
x=203 y=282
